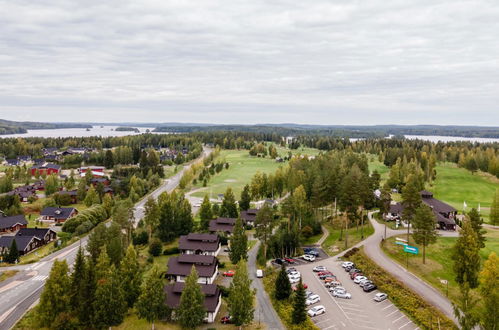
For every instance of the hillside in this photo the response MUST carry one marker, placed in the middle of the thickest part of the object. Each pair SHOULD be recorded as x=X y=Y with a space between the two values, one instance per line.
x=16 y=127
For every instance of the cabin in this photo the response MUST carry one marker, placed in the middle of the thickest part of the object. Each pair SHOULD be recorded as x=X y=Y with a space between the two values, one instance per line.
x=201 y=244
x=12 y=162
x=57 y=214
x=222 y=225
x=45 y=235
x=27 y=240
x=12 y=224
x=395 y=211
x=180 y=267
x=73 y=194
x=25 y=193
x=212 y=298
x=84 y=169
x=249 y=217
x=45 y=169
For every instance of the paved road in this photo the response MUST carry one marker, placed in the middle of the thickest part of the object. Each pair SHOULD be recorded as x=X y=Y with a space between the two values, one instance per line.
x=20 y=292
x=426 y=291
x=264 y=312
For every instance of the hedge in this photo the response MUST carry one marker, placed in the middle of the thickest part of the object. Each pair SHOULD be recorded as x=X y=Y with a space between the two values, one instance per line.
x=421 y=312
x=85 y=220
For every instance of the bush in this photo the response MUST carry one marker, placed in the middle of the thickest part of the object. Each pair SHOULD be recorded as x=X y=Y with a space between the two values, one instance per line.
x=84 y=228
x=307 y=232
x=155 y=247
x=224 y=290
x=95 y=215
x=170 y=251
x=140 y=237
x=421 y=312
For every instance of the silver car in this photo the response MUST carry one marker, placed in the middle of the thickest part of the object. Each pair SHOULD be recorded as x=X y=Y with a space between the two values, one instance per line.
x=342 y=294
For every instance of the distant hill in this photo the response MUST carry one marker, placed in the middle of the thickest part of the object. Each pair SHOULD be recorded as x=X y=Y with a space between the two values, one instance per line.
x=17 y=127
x=127 y=129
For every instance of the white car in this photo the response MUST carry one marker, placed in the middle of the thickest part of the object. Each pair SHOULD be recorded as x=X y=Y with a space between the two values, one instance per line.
x=316 y=310
x=342 y=294
x=294 y=279
x=309 y=293
x=313 y=299
x=380 y=296
x=359 y=279
x=333 y=285
x=309 y=257
x=319 y=269
x=294 y=273
x=338 y=288
x=347 y=264
x=259 y=273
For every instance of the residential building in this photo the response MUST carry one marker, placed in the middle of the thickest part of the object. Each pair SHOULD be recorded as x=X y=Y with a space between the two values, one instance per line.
x=249 y=217
x=180 y=267
x=202 y=244
x=12 y=224
x=27 y=239
x=222 y=225
x=45 y=169
x=57 y=214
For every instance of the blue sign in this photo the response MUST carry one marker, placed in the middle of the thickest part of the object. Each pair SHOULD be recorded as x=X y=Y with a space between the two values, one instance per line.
x=400 y=243
x=411 y=249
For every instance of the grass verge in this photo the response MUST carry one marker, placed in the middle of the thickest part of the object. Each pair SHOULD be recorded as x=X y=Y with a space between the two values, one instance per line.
x=7 y=274
x=417 y=309
x=335 y=244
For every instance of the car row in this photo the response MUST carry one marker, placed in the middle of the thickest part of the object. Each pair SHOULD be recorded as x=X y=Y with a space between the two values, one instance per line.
x=359 y=278
x=331 y=282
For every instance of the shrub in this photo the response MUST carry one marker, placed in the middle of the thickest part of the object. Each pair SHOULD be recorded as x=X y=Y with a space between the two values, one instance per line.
x=155 y=247
x=140 y=237
x=170 y=251
x=307 y=231
x=84 y=228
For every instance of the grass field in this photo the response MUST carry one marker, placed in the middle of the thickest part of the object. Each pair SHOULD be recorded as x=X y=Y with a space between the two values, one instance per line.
x=242 y=167
x=438 y=260
x=332 y=245
x=383 y=170
x=455 y=185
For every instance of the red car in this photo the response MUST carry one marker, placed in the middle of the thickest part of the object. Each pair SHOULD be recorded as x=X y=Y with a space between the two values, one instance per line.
x=229 y=273
x=296 y=287
x=324 y=273
x=354 y=275
x=226 y=319
x=290 y=260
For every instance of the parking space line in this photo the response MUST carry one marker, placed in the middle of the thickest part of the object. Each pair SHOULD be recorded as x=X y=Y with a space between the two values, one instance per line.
x=332 y=326
x=353 y=309
x=399 y=318
x=405 y=324
x=395 y=311
x=349 y=304
x=322 y=321
x=391 y=305
x=357 y=315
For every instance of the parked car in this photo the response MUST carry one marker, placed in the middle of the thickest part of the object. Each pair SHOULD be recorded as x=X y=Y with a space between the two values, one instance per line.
x=348 y=268
x=380 y=296
x=365 y=282
x=308 y=294
x=316 y=310
x=294 y=273
x=311 y=251
x=329 y=279
x=305 y=286
x=259 y=273
x=354 y=275
x=342 y=294
x=358 y=279
x=309 y=257
x=226 y=249
x=319 y=269
x=354 y=270
x=290 y=260
x=294 y=280
x=313 y=299
x=290 y=270
x=226 y=319
x=338 y=288
x=370 y=287
x=229 y=273
x=347 y=264
x=279 y=261
x=333 y=284
x=324 y=275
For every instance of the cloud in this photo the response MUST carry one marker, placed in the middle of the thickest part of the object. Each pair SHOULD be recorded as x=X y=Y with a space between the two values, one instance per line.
x=359 y=62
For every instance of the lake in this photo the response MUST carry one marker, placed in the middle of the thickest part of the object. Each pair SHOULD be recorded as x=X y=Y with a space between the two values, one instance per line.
x=105 y=131
x=437 y=138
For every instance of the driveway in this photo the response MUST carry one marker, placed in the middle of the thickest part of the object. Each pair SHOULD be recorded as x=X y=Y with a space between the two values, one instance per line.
x=360 y=312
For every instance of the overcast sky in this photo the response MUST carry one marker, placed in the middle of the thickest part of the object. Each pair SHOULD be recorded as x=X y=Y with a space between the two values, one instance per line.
x=252 y=61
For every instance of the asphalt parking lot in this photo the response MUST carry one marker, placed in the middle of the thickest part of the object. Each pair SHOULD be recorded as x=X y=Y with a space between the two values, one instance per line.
x=360 y=312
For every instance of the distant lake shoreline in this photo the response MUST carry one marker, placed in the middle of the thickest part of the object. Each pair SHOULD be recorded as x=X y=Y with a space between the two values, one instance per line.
x=110 y=131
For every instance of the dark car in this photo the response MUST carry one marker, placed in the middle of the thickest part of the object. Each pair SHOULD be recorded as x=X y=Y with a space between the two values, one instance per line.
x=370 y=287
x=354 y=275
x=348 y=268
x=354 y=270
x=226 y=319
x=279 y=261
x=322 y=277
x=366 y=283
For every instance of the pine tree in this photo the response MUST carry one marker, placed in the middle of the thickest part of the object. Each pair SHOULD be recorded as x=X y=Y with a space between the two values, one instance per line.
x=476 y=223
x=77 y=278
x=264 y=224
x=465 y=310
x=13 y=254
x=466 y=256
x=282 y=285
x=411 y=200
x=238 y=243
x=241 y=296
x=244 y=203
x=494 y=209
x=88 y=177
x=191 y=311
x=82 y=190
x=151 y=215
x=86 y=310
x=109 y=159
x=299 y=307
x=54 y=299
x=489 y=290
x=130 y=276
x=92 y=197
x=109 y=304
x=151 y=302
x=229 y=207
x=424 y=231
x=205 y=213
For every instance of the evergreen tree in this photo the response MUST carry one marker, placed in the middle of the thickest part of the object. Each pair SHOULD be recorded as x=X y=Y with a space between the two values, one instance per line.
x=476 y=223
x=241 y=296
x=229 y=206
x=264 y=224
x=109 y=304
x=489 y=290
x=77 y=278
x=494 y=209
x=205 y=213
x=108 y=203
x=92 y=197
x=411 y=199
x=424 y=231
x=151 y=302
x=109 y=159
x=238 y=243
x=13 y=254
x=191 y=311
x=465 y=310
x=466 y=256
x=299 y=307
x=244 y=203
x=88 y=177
x=282 y=285
x=51 y=185
x=130 y=276
x=54 y=299
x=86 y=311
x=82 y=190
x=151 y=215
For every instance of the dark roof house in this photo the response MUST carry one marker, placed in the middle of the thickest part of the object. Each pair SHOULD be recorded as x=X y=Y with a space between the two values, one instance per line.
x=249 y=216
x=58 y=214
x=225 y=225
x=25 y=244
x=194 y=243
x=44 y=234
x=206 y=266
x=12 y=223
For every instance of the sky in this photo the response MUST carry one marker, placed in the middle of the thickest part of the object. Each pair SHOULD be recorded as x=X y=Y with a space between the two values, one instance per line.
x=254 y=61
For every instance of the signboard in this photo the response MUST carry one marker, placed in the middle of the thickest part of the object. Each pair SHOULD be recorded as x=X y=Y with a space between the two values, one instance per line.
x=400 y=243
x=411 y=249
x=400 y=239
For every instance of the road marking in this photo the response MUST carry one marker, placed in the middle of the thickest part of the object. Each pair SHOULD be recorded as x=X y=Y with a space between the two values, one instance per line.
x=10 y=285
x=358 y=315
x=322 y=321
x=353 y=309
x=398 y=318
x=391 y=305
x=39 y=278
x=332 y=326
x=7 y=313
x=405 y=324
x=343 y=324
x=395 y=311
x=39 y=264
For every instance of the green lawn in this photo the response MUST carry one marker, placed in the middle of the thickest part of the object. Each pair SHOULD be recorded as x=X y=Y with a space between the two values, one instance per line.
x=455 y=185
x=242 y=167
x=333 y=245
x=383 y=170
x=438 y=260
x=7 y=274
